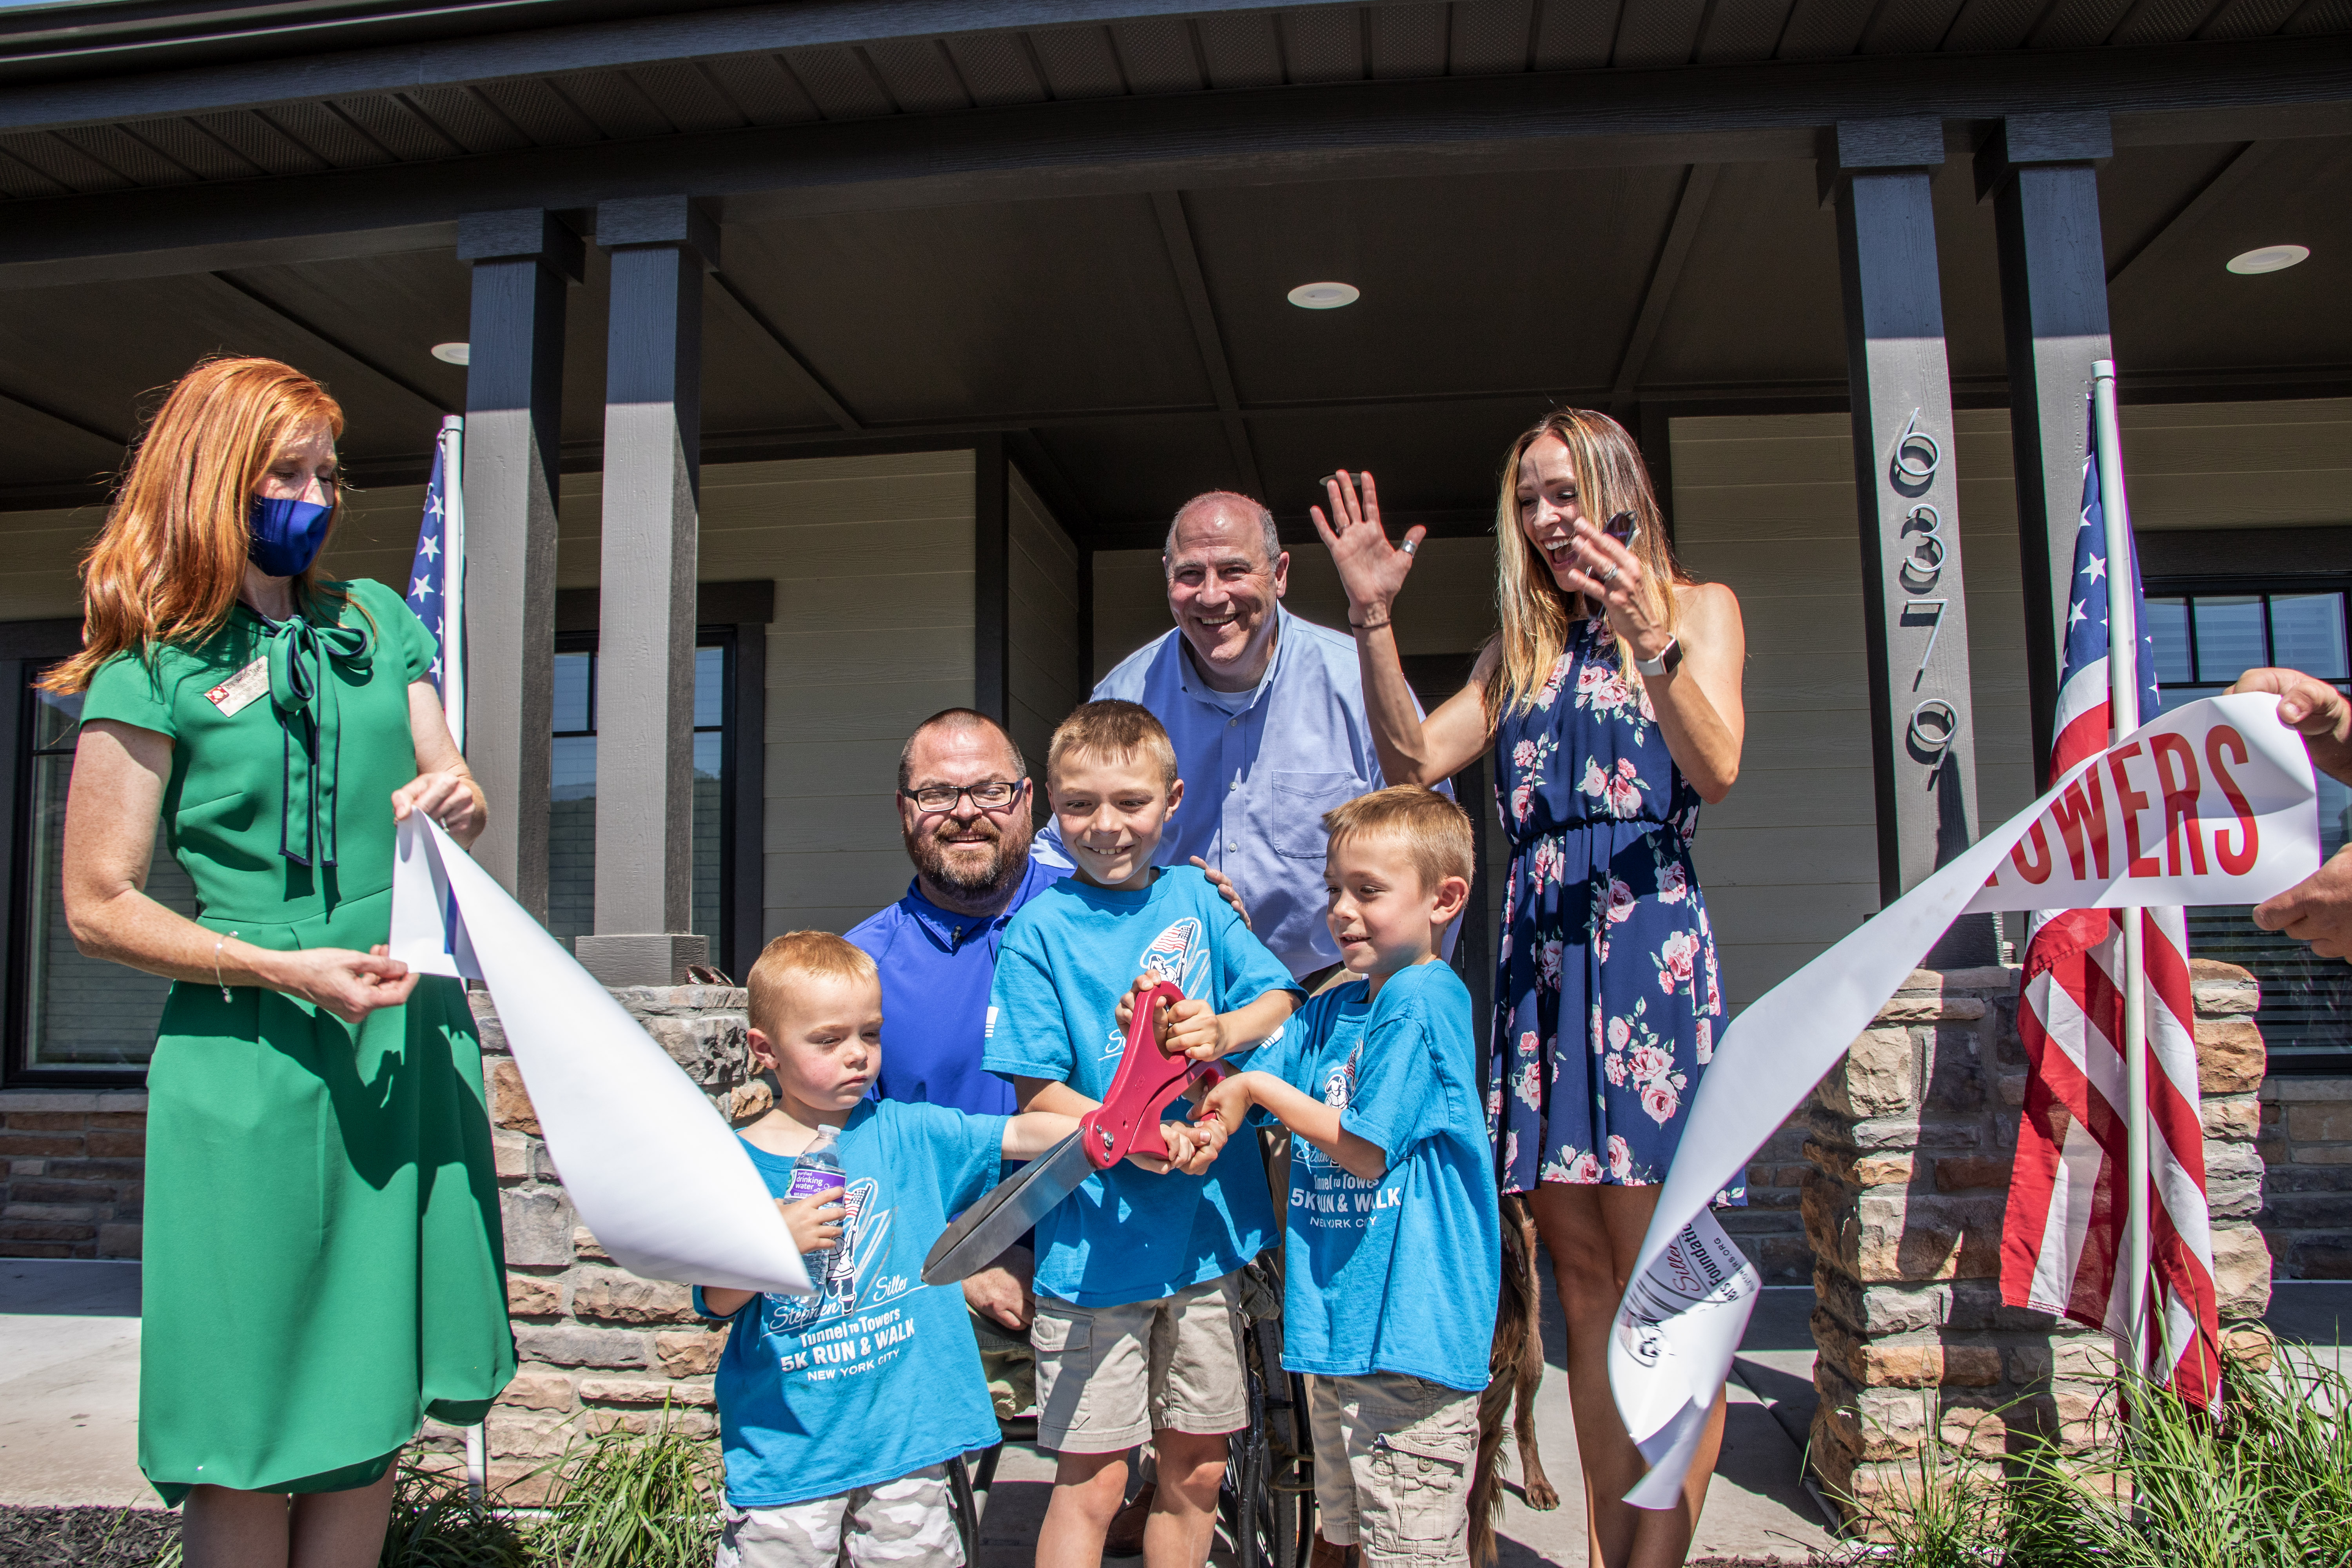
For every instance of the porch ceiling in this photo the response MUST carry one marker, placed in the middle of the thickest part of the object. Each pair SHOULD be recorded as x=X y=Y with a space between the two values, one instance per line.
x=1075 y=220
x=1485 y=297
x=112 y=96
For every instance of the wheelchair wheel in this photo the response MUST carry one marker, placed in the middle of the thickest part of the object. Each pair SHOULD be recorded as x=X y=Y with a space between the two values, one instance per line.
x=1267 y=1501
x=966 y=1501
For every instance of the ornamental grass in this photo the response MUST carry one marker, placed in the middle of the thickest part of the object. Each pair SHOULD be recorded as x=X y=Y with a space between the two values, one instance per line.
x=626 y=1500
x=437 y=1522
x=616 y=1500
x=2267 y=1483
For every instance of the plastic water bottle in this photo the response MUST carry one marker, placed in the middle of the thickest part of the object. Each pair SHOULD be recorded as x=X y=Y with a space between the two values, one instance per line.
x=818 y=1170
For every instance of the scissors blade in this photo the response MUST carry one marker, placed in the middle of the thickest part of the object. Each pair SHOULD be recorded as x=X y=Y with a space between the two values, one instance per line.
x=1006 y=1212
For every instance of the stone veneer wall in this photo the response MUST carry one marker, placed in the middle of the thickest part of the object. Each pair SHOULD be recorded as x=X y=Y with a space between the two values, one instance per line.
x=598 y=1346
x=73 y=1172
x=1913 y=1138
x=2306 y=1146
x=1771 y=1228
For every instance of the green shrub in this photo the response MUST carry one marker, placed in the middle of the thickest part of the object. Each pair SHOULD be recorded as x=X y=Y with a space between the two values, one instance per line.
x=2265 y=1484
x=436 y=1524
x=628 y=1500
x=1949 y=1516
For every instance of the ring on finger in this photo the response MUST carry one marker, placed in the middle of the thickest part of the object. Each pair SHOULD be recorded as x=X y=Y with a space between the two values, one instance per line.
x=1608 y=576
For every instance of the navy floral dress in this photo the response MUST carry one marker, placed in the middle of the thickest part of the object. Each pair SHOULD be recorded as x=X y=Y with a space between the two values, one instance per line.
x=1608 y=999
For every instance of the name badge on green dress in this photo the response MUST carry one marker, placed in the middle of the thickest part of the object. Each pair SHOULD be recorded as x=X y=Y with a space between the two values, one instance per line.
x=236 y=693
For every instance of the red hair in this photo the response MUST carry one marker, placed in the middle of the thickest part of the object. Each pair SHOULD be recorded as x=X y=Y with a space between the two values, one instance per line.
x=169 y=563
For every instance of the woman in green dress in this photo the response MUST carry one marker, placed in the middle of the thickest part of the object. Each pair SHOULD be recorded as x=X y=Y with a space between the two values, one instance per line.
x=323 y=1268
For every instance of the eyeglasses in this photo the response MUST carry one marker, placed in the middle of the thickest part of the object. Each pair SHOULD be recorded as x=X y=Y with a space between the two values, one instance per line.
x=995 y=794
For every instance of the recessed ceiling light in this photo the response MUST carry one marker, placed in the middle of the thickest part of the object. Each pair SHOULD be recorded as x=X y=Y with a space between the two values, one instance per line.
x=1325 y=296
x=453 y=354
x=2269 y=258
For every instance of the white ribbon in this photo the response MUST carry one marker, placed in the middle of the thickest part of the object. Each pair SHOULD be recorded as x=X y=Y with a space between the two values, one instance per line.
x=2211 y=803
x=650 y=1164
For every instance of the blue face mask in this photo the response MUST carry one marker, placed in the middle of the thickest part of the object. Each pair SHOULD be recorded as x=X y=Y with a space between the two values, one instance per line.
x=287 y=535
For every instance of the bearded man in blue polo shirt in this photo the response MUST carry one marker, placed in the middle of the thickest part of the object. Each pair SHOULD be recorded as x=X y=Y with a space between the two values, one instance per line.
x=965 y=809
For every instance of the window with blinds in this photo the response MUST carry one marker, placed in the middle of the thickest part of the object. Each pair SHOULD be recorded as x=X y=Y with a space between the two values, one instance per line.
x=2204 y=638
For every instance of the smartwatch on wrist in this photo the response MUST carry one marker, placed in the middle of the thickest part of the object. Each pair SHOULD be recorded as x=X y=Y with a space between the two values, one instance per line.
x=1669 y=659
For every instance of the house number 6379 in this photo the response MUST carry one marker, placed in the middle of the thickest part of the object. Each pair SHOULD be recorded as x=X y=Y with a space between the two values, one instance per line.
x=1918 y=457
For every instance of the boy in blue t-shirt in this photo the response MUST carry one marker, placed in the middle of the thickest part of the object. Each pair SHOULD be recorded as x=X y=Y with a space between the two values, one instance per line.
x=1137 y=1331
x=838 y=1411
x=1395 y=1249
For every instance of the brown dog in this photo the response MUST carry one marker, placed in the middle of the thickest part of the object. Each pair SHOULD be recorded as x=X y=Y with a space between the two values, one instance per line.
x=1517 y=1363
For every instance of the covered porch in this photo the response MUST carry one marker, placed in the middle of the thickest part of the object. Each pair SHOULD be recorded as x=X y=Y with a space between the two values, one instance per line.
x=826 y=365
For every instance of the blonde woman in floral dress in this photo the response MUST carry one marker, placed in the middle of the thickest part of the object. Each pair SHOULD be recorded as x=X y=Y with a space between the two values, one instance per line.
x=1611 y=697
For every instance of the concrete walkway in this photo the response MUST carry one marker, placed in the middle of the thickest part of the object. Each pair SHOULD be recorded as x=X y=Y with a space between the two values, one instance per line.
x=69 y=1379
x=1757 y=1508
x=70 y=1384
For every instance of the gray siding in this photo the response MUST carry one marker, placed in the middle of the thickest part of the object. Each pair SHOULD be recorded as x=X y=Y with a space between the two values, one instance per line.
x=1042 y=623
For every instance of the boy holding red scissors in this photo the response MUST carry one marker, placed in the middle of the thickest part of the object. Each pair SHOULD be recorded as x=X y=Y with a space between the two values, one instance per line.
x=1137 y=1331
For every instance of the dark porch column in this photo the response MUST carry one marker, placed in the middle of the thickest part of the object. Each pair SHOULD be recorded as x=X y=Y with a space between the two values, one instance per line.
x=523 y=261
x=645 y=698
x=1913 y=609
x=2038 y=171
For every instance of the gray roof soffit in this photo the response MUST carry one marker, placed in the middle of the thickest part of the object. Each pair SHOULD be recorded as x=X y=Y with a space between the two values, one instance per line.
x=116 y=61
x=2268 y=87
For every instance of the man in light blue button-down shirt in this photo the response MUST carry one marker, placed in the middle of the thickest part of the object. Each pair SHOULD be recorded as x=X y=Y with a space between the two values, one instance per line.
x=1267 y=714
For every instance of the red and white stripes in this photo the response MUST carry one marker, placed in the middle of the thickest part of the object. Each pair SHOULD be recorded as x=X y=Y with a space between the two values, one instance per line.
x=2063 y=1243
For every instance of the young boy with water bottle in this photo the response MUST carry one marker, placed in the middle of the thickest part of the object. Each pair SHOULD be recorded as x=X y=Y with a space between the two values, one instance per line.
x=838 y=1411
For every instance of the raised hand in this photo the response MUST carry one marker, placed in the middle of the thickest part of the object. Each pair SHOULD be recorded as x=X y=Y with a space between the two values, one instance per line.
x=1370 y=569
x=1610 y=575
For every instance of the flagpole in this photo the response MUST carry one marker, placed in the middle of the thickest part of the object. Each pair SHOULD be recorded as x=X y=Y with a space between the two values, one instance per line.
x=2123 y=676
x=451 y=442
x=452 y=576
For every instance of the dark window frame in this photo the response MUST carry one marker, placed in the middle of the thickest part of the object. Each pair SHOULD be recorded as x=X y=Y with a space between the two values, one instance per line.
x=744 y=611
x=25 y=648
x=729 y=638
x=2269 y=584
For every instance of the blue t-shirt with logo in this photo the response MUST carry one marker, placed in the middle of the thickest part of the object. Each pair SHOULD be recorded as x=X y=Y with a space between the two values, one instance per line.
x=1128 y=1235
x=876 y=1374
x=1400 y=1274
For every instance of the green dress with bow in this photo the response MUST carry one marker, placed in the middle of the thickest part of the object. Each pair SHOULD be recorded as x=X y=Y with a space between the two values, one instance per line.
x=323 y=1268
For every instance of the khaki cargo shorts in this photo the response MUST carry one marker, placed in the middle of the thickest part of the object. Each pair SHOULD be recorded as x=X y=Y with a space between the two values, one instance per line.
x=1008 y=1365
x=1108 y=1377
x=1403 y=1491
x=906 y=1523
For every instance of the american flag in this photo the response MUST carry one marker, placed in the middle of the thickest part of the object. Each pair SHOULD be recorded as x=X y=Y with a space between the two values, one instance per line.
x=2063 y=1244
x=437 y=577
